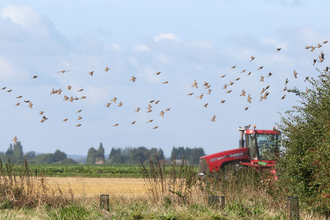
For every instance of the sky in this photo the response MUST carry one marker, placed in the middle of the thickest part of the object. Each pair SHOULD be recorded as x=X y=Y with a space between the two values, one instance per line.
x=184 y=40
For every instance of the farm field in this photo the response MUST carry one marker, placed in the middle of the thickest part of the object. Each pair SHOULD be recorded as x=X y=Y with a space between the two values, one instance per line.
x=82 y=186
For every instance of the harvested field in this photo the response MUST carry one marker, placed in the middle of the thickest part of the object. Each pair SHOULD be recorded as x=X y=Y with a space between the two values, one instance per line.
x=97 y=186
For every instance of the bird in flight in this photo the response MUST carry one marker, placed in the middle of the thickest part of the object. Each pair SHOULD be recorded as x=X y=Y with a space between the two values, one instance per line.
x=200 y=96
x=165 y=82
x=3 y=88
x=66 y=98
x=225 y=86
x=33 y=77
x=209 y=92
x=246 y=108
x=107 y=105
x=260 y=68
x=133 y=123
x=252 y=58
x=133 y=79
x=155 y=127
x=62 y=71
x=138 y=109
x=190 y=93
x=222 y=76
x=9 y=90
x=283 y=96
x=83 y=97
x=18 y=97
x=213 y=118
x=120 y=104
x=286 y=81
x=91 y=73
x=17 y=104
x=167 y=109
x=228 y=91
x=157 y=73
x=115 y=125
x=306 y=78
x=113 y=100
x=30 y=105
x=269 y=74
x=79 y=111
x=69 y=87
x=233 y=67
x=157 y=102
x=15 y=139
x=80 y=90
x=195 y=84
x=151 y=120
x=243 y=93
x=237 y=79
x=262 y=79
x=64 y=119
x=78 y=125
x=162 y=113
x=41 y=112
x=285 y=89
x=223 y=101
x=79 y=118
x=295 y=73
x=249 y=98
x=278 y=49
x=106 y=69
x=205 y=105
x=242 y=71
x=324 y=42
x=249 y=73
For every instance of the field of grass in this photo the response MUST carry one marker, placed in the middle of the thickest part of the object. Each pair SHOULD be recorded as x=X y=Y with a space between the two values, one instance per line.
x=162 y=193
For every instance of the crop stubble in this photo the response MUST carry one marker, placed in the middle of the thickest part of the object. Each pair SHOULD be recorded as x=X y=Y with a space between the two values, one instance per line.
x=97 y=186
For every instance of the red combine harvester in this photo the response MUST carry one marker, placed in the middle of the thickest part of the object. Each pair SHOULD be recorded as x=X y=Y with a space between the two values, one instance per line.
x=257 y=152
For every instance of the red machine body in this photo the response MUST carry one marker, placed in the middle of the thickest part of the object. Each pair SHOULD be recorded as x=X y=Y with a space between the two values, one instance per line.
x=257 y=151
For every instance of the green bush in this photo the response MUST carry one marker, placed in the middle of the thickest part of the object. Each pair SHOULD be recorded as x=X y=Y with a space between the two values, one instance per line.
x=304 y=164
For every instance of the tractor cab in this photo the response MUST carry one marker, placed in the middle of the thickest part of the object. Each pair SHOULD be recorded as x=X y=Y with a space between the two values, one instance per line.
x=261 y=144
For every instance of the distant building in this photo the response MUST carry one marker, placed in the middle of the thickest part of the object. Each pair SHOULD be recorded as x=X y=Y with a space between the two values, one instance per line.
x=99 y=162
x=179 y=162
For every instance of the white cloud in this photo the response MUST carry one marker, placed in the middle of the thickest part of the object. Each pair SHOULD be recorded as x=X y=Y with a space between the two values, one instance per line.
x=9 y=72
x=141 y=47
x=113 y=47
x=167 y=36
x=200 y=44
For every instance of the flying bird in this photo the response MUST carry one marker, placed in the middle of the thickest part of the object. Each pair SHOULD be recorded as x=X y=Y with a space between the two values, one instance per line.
x=306 y=78
x=228 y=91
x=286 y=81
x=151 y=120
x=314 y=61
x=91 y=73
x=155 y=127
x=195 y=84
x=246 y=108
x=33 y=77
x=17 y=104
x=319 y=45
x=64 y=119
x=18 y=97
x=249 y=98
x=76 y=98
x=79 y=118
x=113 y=100
x=30 y=105
x=222 y=76
x=41 y=112
x=133 y=79
x=133 y=123
x=242 y=71
x=157 y=73
x=69 y=87
x=233 y=67
x=225 y=86
x=237 y=79
x=115 y=125
x=9 y=90
x=307 y=47
x=162 y=113
x=269 y=74
x=26 y=101
x=151 y=101
x=63 y=71
x=167 y=109
x=80 y=90
x=15 y=139
x=312 y=48
x=138 y=109
x=106 y=69
x=213 y=118
x=262 y=91
x=223 y=101
x=157 y=102
x=78 y=125
x=108 y=105
x=71 y=99
x=249 y=73
x=190 y=93
x=252 y=58
x=65 y=98
x=283 y=96
x=3 y=88
x=205 y=83
x=79 y=111
x=209 y=92
x=295 y=73
x=260 y=68
x=120 y=104
x=243 y=93
x=83 y=97
x=201 y=96
x=165 y=82
x=149 y=111
x=205 y=105
x=262 y=79
x=278 y=49
x=284 y=89
x=324 y=42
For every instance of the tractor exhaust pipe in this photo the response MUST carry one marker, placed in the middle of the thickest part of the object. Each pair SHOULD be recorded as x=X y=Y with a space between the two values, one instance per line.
x=241 y=140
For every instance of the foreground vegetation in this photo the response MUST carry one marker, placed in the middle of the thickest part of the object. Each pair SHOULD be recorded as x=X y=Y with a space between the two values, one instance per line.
x=176 y=194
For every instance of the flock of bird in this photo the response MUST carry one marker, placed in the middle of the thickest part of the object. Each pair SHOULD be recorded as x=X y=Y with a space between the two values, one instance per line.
x=227 y=86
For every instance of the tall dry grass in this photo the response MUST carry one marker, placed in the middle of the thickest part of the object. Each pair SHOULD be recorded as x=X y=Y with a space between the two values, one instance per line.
x=21 y=187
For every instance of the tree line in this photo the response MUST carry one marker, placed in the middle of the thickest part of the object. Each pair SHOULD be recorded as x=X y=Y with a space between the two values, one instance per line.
x=128 y=155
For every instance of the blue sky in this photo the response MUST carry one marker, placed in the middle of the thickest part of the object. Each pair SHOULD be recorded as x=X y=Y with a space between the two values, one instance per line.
x=184 y=40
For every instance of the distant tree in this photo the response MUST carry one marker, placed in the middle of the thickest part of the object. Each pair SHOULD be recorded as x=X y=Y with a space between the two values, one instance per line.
x=58 y=156
x=44 y=159
x=10 y=150
x=196 y=153
x=18 y=152
x=30 y=155
x=138 y=155
x=91 y=156
x=100 y=153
